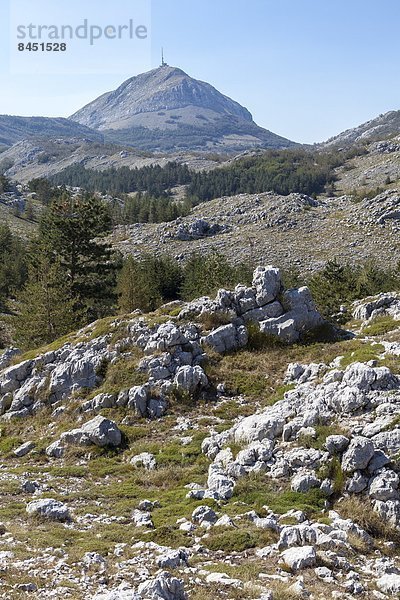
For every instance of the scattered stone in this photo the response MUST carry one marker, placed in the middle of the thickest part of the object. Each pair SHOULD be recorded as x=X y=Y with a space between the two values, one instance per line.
x=123 y=592
x=190 y=378
x=300 y=558
x=28 y=588
x=30 y=487
x=142 y=518
x=172 y=559
x=303 y=482
x=204 y=514
x=223 y=579
x=358 y=454
x=56 y=449
x=226 y=338
x=389 y=583
x=336 y=444
x=148 y=505
x=102 y=432
x=145 y=460
x=49 y=508
x=163 y=587
x=24 y=449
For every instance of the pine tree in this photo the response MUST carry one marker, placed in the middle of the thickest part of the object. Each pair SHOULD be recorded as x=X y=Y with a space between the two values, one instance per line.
x=73 y=230
x=43 y=190
x=4 y=184
x=137 y=287
x=29 y=213
x=168 y=274
x=46 y=305
x=5 y=336
x=203 y=275
x=12 y=263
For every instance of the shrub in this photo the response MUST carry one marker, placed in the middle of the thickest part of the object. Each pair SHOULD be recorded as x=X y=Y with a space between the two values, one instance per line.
x=333 y=470
x=339 y=284
x=259 y=340
x=230 y=540
x=204 y=275
x=212 y=320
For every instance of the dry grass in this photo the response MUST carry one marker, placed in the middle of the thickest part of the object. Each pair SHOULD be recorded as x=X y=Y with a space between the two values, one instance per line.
x=213 y=320
x=259 y=374
x=361 y=512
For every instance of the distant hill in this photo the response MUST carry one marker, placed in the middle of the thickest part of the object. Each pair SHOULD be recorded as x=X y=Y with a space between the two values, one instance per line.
x=166 y=109
x=384 y=126
x=14 y=129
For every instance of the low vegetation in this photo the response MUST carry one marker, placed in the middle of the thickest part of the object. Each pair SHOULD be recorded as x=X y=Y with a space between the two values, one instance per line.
x=338 y=285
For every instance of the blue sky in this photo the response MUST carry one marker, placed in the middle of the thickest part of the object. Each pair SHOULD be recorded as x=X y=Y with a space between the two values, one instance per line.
x=306 y=69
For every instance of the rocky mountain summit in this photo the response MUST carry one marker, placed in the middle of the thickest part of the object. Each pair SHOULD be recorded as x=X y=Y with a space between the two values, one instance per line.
x=164 y=88
x=207 y=450
x=167 y=109
x=383 y=126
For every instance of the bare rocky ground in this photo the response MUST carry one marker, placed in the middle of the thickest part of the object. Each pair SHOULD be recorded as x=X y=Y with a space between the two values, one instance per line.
x=359 y=223
x=183 y=454
x=290 y=231
x=43 y=158
x=205 y=451
x=380 y=164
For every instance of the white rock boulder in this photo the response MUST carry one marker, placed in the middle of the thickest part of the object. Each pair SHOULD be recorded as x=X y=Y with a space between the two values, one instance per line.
x=48 y=508
x=300 y=558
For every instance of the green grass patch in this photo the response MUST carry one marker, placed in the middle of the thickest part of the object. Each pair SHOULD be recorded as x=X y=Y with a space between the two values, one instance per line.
x=8 y=443
x=256 y=491
x=102 y=466
x=249 y=384
x=134 y=433
x=67 y=471
x=166 y=536
x=280 y=391
x=99 y=328
x=392 y=362
x=233 y=539
x=333 y=470
x=322 y=431
x=361 y=351
x=123 y=374
x=380 y=326
x=212 y=320
x=56 y=345
x=258 y=340
x=230 y=540
x=10 y=509
x=230 y=409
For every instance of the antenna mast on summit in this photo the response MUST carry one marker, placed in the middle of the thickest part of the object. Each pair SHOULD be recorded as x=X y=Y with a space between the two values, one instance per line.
x=163 y=63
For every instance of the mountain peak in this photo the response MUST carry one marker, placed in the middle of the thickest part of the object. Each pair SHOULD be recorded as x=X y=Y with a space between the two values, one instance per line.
x=170 y=104
x=162 y=88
